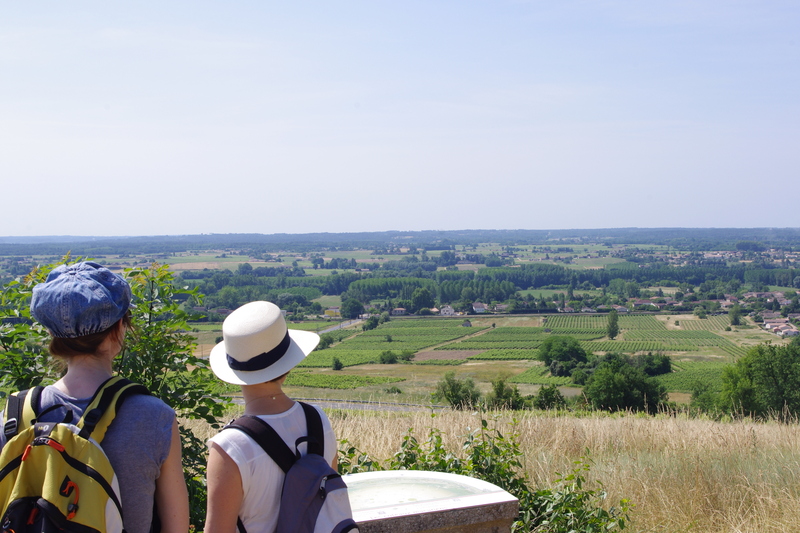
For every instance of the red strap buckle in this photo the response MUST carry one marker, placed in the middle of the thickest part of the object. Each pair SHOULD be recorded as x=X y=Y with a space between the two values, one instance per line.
x=32 y=516
x=66 y=490
x=57 y=445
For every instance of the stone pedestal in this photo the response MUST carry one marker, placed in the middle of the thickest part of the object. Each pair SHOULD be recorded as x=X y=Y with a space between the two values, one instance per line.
x=404 y=501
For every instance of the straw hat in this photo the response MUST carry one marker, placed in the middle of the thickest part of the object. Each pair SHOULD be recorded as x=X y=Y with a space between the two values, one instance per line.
x=257 y=346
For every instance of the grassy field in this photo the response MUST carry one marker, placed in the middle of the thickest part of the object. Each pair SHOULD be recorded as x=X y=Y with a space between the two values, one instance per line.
x=329 y=301
x=783 y=289
x=212 y=261
x=549 y=293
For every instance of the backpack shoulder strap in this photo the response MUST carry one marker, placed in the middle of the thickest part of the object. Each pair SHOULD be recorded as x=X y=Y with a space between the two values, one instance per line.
x=105 y=404
x=267 y=438
x=21 y=411
x=316 y=435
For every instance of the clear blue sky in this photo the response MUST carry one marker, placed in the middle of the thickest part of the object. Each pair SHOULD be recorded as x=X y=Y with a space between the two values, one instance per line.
x=256 y=116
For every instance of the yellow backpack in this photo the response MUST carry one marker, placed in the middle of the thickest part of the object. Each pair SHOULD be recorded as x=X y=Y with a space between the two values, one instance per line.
x=55 y=476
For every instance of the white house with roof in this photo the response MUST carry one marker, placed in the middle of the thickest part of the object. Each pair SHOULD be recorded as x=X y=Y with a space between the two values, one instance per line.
x=447 y=310
x=480 y=307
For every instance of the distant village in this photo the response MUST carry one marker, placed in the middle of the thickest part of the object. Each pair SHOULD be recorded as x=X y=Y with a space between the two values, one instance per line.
x=772 y=321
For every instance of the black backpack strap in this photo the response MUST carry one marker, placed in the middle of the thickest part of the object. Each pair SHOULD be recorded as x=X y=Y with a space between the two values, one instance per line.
x=14 y=415
x=267 y=438
x=36 y=399
x=274 y=446
x=316 y=435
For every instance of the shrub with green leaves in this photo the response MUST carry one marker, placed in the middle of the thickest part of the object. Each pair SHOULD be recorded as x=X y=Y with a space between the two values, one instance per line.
x=572 y=507
x=549 y=397
x=24 y=359
x=505 y=396
x=458 y=393
x=388 y=357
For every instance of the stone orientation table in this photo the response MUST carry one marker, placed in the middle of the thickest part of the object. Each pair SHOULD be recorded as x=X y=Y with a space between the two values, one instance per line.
x=404 y=501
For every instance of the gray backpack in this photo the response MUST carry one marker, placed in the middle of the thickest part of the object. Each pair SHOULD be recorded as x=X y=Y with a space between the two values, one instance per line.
x=314 y=497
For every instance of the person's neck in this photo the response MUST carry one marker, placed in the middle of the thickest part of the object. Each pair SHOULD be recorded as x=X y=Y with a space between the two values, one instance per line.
x=85 y=374
x=265 y=399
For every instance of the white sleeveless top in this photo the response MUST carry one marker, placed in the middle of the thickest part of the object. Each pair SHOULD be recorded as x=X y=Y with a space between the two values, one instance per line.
x=262 y=479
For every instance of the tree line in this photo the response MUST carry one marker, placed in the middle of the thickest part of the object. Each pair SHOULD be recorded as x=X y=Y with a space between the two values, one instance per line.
x=229 y=289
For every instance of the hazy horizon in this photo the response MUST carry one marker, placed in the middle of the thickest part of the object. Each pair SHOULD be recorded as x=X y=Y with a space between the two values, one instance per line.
x=560 y=233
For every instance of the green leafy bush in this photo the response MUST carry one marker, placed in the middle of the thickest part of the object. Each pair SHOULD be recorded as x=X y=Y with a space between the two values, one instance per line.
x=549 y=397
x=505 y=396
x=388 y=357
x=25 y=361
x=460 y=394
x=159 y=354
x=572 y=507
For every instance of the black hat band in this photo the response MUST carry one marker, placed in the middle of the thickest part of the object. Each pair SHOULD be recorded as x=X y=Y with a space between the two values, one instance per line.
x=263 y=360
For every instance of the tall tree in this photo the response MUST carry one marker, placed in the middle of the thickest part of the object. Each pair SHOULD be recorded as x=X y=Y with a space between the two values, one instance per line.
x=735 y=314
x=612 y=329
x=764 y=382
x=420 y=299
x=561 y=348
x=618 y=385
x=351 y=308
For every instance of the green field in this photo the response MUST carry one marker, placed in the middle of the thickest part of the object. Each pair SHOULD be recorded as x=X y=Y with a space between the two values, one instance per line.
x=700 y=349
x=686 y=374
x=312 y=325
x=329 y=301
x=538 y=375
x=548 y=293
x=336 y=380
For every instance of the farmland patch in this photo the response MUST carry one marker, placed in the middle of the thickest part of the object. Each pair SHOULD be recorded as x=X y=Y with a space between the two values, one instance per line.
x=336 y=381
x=445 y=354
x=686 y=374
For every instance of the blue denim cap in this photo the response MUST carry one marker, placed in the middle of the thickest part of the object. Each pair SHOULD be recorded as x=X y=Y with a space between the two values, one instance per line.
x=80 y=299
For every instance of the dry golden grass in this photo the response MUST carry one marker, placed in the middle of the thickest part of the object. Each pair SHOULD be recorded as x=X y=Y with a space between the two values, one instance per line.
x=682 y=475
